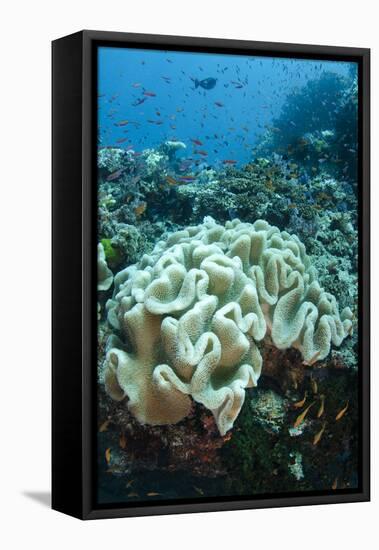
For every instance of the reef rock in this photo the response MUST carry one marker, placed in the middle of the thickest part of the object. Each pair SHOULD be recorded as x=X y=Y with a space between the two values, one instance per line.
x=187 y=319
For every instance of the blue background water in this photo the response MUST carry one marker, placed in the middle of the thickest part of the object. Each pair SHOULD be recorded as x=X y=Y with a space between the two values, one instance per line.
x=251 y=90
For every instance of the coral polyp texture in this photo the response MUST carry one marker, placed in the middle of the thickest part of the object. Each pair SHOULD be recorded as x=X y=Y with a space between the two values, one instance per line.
x=188 y=319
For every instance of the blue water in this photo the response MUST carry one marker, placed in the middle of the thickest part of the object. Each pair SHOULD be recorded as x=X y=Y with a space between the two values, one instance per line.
x=229 y=120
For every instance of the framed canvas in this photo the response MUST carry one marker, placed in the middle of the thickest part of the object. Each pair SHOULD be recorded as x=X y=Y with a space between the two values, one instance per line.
x=210 y=274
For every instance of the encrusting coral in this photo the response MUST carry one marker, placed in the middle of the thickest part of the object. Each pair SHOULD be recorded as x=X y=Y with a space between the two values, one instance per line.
x=189 y=316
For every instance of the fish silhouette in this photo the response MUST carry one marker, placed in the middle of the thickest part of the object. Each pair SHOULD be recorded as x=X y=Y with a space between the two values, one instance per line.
x=206 y=83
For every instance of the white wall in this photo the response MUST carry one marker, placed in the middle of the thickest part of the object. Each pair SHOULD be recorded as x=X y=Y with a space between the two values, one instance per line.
x=27 y=27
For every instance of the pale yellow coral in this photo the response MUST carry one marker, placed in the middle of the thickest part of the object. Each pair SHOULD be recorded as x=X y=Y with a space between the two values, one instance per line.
x=104 y=274
x=190 y=315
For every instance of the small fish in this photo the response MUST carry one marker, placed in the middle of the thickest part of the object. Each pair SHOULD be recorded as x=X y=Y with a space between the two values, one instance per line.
x=318 y=436
x=342 y=412
x=133 y=495
x=104 y=426
x=335 y=483
x=219 y=104
x=130 y=483
x=206 y=83
x=115 y=175
x=314 y=386
x=121 y=140
x=203 y=153
x=152 y=494
x=108 y=456
x=140 y=209
x=197 y=142
x=122 y=123
x=302 y=416
x=300 y=404
x=187 y=178
x=136 y=84
x=229 y=161
x=122 y=441
x=198 y=490
x=320 y=412
x=139 y=101
x=170 y=180
x=149 y=94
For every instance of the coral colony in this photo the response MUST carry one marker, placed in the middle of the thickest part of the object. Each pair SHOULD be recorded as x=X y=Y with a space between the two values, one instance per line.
x=199 y=303
x=227 y=276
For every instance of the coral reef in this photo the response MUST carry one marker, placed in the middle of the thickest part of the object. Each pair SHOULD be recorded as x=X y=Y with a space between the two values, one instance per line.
x=190 y=316
x=326 y=141
x=228 y=326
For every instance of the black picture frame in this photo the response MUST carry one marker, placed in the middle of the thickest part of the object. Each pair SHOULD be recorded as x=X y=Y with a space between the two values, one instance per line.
x=74 y=269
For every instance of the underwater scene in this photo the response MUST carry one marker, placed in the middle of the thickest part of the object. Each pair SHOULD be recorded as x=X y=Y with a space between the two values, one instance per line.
x=227 y=290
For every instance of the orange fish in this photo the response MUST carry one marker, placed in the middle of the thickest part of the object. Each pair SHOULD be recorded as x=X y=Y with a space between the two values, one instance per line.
x=335 y=483
x=229 y=161
x=318 y=436
x=342 y=411
x=301 y=403
x=302 y=416
x=149 y=94
x=203 y=153
x=108 y=456
x=104 y=426
x=314 y=385
x=170 y=180
x=320 y=412
x=197 y=142
x=122 y=441
x=140 y=209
